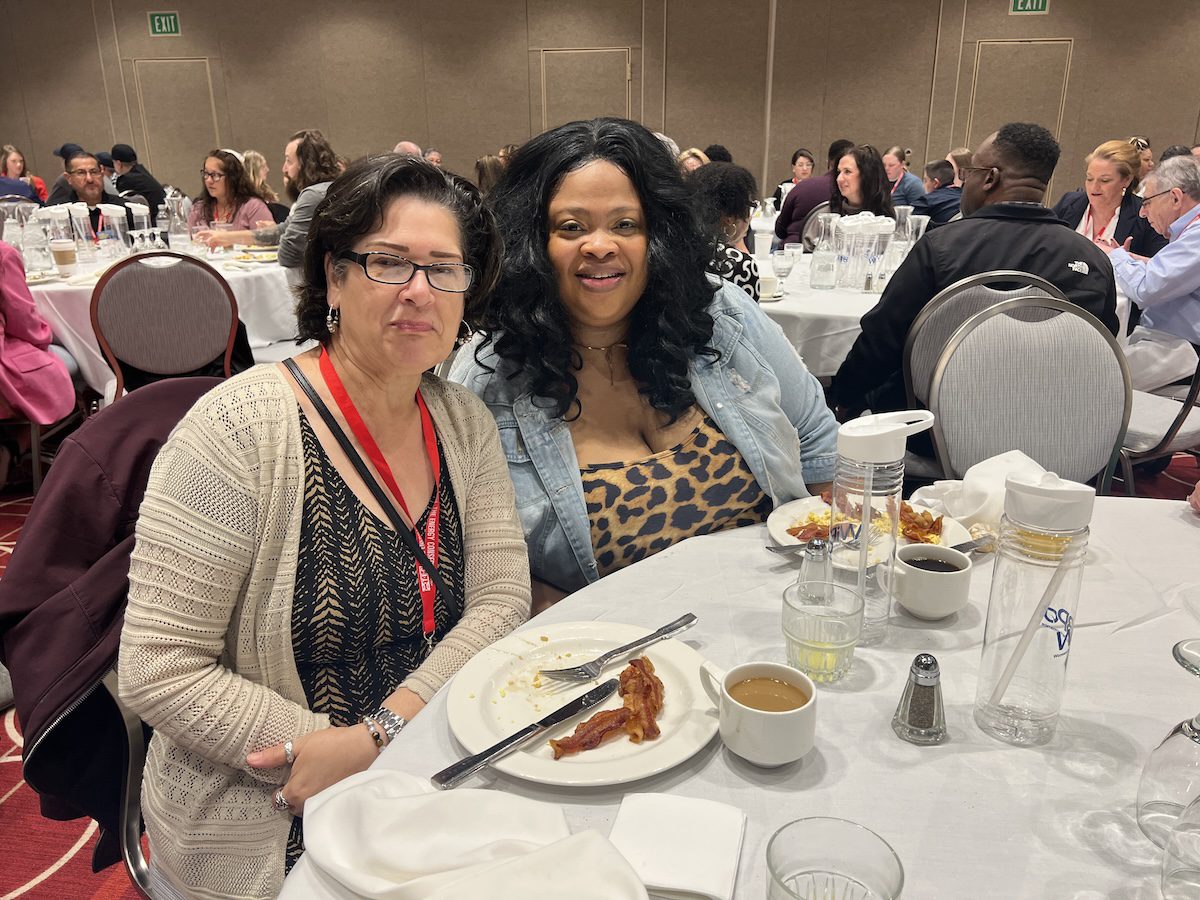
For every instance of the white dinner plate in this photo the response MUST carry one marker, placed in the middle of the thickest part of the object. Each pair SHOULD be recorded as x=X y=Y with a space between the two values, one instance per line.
x=774 y=298
x=787 y=516
x=498 y=692
x=42 y=277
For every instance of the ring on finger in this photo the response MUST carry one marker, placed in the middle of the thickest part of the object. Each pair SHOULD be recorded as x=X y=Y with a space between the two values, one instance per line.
x=281 y=802
x=289 y=752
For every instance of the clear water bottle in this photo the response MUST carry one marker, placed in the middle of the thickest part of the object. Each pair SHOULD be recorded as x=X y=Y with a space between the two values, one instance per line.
x=1031 y=609
x=822 y=273
x=865 y=517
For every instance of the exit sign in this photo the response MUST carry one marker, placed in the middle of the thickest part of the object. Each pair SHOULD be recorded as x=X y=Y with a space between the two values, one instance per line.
x=1029 y=7
x=166 y=24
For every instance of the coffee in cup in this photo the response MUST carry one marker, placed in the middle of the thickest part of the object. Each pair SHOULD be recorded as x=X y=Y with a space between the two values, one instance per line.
x=749 y=727
x=63 y=251
x=930 y=581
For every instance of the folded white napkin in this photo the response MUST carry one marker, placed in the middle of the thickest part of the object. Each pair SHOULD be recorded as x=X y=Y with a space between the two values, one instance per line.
x=979 y=497
x=387 y=834
x=680 y=847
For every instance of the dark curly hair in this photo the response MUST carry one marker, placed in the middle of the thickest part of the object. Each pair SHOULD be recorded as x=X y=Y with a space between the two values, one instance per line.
x=669 y=325
x=355 y=206
x=318 y=162
x=1027 y=150
x=241 y=188
x=722 y=189
x=872 y=182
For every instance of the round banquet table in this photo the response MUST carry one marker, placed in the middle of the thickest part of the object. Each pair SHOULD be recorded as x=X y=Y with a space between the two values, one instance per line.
x=823 y=325
x=971 y=818
x=265 y=305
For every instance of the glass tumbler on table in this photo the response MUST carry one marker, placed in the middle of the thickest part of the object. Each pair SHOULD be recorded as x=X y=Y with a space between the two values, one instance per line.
x=824 y=858
x=782 y=263
x=822 y=622
x=1170 y=781
x=1181 y=856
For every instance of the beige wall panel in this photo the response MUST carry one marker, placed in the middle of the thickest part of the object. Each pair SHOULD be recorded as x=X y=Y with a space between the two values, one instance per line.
x=653 y=75
x=372 y=75
x=554 y=23
x=137 y=136
x=584 y=84
x=14 y=122
x=948 y=53
x=716 y=77
x=875 y=95
x=798 y=85
x=476 y=79
x=200 y=25
x=64 y=89
x=174 y=98
x=1017 y=81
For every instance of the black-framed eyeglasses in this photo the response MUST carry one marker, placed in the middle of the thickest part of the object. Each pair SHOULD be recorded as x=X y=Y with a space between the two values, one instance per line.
x=963 y=170
x=211 y=176
x=388 y=268
x=1146 y=200
x=84 y=173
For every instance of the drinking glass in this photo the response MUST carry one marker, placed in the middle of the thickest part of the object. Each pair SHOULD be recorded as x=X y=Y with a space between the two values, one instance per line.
x=795 y=250
x=822 y=857
x=782 y=263
x=822 y=623
x=1181 y=856
x=1170 y=781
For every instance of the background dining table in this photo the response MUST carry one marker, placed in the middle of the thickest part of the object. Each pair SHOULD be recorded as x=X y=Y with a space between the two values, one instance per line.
x=265 y=305
x=970 y=818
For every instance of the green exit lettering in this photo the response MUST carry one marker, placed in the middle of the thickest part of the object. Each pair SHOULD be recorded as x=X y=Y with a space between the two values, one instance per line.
x=166 y=24
x=1028 y=7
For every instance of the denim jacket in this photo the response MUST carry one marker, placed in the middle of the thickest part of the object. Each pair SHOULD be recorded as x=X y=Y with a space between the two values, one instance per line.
x=759 y=393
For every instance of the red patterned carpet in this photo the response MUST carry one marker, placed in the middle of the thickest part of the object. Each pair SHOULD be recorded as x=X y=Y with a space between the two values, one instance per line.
x=45 y=860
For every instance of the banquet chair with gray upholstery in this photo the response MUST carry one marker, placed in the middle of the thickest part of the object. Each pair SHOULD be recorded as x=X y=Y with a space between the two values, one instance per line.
x=1161 y=426
x=810 y=231
x=1033 y=374
x=163 y=313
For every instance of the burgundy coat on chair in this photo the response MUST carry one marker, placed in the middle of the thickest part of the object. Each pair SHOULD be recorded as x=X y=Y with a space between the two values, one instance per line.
x=33 y=381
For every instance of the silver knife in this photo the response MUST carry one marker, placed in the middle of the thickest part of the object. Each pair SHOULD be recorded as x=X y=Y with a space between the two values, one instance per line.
x=452 y=775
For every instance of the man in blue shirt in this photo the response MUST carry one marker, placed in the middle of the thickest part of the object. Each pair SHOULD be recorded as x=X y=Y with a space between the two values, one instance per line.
x=942 y=196
x=1167 y=286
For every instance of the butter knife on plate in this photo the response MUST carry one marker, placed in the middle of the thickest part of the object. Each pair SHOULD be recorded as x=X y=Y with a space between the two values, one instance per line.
x=451 y=776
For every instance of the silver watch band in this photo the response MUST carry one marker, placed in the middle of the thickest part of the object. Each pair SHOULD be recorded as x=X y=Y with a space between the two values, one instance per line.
x=389 y=722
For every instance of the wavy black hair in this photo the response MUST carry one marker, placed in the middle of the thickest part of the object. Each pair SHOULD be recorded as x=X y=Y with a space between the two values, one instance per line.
x=670 y=324
x=355 y=205
x=872 y=182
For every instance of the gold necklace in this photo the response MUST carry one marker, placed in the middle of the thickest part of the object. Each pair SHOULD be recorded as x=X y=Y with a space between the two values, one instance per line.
x=607 y=356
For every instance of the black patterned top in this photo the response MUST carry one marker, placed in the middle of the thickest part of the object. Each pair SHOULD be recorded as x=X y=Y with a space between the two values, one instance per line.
x=356 y=609
x=698 y=487
x=734 y=265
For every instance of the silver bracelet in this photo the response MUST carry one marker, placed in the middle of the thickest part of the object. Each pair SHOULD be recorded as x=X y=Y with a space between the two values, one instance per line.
x=389 y=722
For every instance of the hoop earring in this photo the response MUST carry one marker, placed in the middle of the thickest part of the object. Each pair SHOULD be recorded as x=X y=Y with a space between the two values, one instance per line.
x=463 y=337
x=729 y=231
x=333 y=319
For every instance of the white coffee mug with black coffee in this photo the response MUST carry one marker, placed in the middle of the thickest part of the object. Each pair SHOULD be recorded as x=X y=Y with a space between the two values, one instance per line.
x=931 y=581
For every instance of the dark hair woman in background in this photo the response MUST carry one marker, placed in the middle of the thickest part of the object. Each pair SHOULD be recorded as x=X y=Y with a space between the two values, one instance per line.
x=724 y=194
x=861 y=185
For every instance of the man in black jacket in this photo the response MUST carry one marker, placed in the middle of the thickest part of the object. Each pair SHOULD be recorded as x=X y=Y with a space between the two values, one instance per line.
x=1004 y=226
x=133 y=176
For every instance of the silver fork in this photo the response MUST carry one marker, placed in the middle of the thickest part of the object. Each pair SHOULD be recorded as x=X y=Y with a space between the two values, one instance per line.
x=875 y=536
x=590 y=670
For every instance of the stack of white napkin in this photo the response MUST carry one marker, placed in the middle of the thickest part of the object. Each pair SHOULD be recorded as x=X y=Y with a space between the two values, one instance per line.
x=386 y=834
x=979 y=497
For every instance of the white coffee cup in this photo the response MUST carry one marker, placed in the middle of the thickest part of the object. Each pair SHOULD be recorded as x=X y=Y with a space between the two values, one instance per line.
x=63 y=251
x=758 y=736
x=768 y=284
x=927 y=594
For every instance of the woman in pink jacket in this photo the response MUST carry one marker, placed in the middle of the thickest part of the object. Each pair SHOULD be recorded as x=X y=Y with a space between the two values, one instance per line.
x=34 y=383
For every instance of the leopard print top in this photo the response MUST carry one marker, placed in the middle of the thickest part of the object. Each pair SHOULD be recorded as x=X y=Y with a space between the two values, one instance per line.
x=638 y=508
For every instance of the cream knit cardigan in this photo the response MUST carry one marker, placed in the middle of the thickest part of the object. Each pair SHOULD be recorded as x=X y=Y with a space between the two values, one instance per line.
x=206 y=653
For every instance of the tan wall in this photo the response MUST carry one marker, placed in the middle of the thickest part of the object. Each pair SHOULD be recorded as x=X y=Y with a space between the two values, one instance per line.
x=466 y=76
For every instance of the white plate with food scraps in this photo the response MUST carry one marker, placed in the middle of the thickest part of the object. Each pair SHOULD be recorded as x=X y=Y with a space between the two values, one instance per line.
x=499 y=691
x=801 y=511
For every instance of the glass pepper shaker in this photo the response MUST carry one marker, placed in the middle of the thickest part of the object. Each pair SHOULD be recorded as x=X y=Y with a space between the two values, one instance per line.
x=920 y=718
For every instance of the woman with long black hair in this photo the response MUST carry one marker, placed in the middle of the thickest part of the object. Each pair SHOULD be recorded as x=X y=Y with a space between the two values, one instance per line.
x=639 y=400
x=861 y=184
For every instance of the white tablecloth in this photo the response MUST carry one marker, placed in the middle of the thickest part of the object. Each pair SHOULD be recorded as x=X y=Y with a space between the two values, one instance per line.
x=265 y=305
x=972 y=818
x=823 y=325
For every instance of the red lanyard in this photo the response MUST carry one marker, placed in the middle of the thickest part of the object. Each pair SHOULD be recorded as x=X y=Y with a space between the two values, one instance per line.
x=1097 y=237
x=428 y=542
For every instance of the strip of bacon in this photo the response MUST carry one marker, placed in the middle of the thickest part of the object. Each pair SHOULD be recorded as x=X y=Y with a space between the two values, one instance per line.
x=643 y=694
x=591 y=733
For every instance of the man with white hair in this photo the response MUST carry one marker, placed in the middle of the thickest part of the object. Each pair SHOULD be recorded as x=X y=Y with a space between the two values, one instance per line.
x=1167 y=286
x=408 y=148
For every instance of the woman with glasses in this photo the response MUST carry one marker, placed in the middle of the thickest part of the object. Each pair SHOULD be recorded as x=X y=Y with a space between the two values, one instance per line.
x=228 y=196
x=287 y=614
x=803 y=163
x=640 y=401
x=1106 y=210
